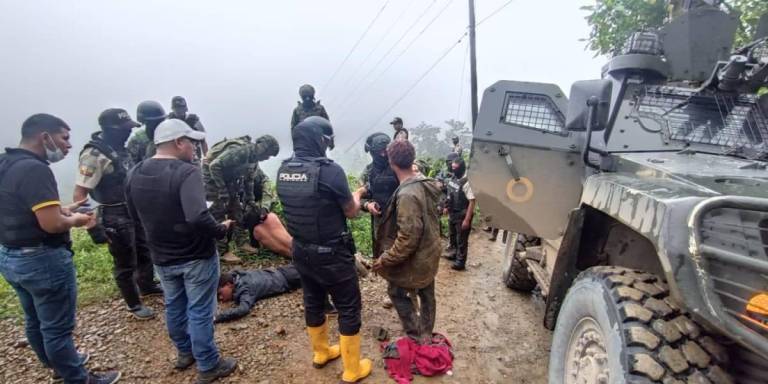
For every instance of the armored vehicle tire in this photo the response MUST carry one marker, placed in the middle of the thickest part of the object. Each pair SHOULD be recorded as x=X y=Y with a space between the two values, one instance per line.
x=618 y=325
x=515 y=273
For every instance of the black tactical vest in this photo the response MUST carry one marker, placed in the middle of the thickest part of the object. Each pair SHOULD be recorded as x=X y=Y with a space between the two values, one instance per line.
x=160 y=210
x=313 y=216
x=18 y=225
x=111 y=187
x=383 y=184
x=456 y=197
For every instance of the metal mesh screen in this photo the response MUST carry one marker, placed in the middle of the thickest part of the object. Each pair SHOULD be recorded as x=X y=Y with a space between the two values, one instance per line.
x=723 y=120
x=760 y=52
x=533 y=111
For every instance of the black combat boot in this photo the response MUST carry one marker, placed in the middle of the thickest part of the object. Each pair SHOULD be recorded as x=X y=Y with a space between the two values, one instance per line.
x=223 y=368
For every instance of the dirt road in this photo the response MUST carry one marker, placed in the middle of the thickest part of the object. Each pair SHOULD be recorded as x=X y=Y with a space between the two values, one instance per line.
x=496 y=334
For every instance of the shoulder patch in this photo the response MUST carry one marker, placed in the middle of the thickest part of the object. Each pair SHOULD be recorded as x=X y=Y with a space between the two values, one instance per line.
x=87 y=171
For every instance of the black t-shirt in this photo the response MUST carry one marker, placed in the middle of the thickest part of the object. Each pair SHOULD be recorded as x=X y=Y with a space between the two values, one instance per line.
x=27 y=184
x=168 y=198
x=333 y=180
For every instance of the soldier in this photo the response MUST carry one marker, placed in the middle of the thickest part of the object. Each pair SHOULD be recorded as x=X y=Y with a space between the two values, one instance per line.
x=457 y=148
x=104 y=164
x=140 y=145
x=307 y=106
x=317 y=201
x=229 y=170
x=460 y=208
x=378 y=179
x=442 y=178
x=400 y=132
x=179 y=111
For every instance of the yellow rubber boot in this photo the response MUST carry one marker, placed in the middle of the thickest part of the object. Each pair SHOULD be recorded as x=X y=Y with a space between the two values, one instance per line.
x=355 y=369
x=322 y=351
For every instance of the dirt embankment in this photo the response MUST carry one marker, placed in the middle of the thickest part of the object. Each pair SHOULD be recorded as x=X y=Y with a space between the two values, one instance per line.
x=496 y=333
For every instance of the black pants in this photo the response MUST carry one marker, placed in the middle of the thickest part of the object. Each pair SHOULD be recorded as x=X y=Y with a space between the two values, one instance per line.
x=416 y=309
x=459 y=236
x=324 y=271
x=133 y=269
x=451 y=235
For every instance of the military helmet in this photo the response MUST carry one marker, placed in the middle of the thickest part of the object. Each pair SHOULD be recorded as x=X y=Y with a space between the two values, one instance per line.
x=269 y=143
x=377 y=142
x=320 y=125
x=149 y=110
x=306 y=90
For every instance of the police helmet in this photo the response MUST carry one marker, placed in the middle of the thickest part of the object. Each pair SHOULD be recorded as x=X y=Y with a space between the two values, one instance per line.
x=149 y=111
x=377 y=142
x=307 y=90
x=320 y=125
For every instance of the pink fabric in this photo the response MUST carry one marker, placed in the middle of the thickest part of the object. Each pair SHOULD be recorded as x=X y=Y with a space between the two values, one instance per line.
x=431 y=359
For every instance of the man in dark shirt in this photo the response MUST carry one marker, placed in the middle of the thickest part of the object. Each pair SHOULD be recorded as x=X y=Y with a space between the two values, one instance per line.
x=316 y=203
x=35 y=248
x=245 y=288
x=165 y=193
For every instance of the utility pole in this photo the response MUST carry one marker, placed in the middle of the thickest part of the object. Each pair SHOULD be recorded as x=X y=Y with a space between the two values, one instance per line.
x=473 y=62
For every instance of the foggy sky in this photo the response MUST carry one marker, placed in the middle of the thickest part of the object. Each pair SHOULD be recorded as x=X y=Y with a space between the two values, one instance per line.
x=239 y=63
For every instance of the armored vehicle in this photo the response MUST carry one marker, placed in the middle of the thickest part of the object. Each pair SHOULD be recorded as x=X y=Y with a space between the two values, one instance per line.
x=640 y=204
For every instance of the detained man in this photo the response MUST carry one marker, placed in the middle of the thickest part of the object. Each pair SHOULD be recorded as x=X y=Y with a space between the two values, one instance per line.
x=165 y=193
x=409 y=244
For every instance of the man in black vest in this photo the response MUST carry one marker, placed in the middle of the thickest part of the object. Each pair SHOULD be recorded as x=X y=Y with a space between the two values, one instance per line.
x=378 y=179
x=165 y=193
x=316 y=202
x=460 y=208
x=35 y=247
x=104 y=165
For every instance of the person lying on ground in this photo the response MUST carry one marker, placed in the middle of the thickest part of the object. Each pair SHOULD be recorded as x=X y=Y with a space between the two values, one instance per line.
x=245 y=288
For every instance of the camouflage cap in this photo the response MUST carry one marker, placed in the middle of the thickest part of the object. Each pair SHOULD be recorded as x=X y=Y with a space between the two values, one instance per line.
x=422 y=166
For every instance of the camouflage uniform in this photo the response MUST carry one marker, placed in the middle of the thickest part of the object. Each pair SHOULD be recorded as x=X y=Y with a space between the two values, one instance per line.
x=300 y=113
x=235 y=183
x=139 y=146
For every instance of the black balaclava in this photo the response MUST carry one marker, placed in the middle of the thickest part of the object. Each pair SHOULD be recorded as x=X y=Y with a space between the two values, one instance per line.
x=115 y=137
x=376 y=144
x=307 y=94
x=151 y=125
x=308 y=137
x=449 y=159
x=461 y=169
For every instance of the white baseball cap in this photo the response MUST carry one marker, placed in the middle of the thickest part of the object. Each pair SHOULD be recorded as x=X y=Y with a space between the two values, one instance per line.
x=172 y=129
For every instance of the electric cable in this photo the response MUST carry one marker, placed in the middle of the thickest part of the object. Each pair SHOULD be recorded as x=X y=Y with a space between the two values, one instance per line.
x=461 y=82
x=351 y=51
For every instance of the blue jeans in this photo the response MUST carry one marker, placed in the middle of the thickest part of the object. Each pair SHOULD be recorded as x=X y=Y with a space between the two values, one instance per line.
x=44 y=279
x=190 y=305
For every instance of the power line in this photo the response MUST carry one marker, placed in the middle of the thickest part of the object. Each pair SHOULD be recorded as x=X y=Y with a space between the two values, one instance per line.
x=349 y=96
x=351 y=51
x=492 y=14
x=378 y=44
x=408 y=91
x=426 y=27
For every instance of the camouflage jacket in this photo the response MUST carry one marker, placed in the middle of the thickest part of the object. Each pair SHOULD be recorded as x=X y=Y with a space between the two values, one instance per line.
x=235 y=171
x=409 y=235
x=139 y=146
x=299 y=113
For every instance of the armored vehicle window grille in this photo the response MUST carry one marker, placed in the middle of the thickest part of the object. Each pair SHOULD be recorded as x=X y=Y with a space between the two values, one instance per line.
x=760 y=51
x=743 y=234
x=533 y=111
x=723 y=120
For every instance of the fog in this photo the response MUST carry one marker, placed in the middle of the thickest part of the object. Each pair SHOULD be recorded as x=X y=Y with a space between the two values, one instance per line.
x=239 y=64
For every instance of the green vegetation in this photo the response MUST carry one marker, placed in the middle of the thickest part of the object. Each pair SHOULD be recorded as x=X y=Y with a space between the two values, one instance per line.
x=613 y=21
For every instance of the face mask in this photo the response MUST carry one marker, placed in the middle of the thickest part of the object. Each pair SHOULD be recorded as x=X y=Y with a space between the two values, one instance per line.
x=308 y=102
x=116 y=137
x=52 y=155
x=329 y=141
x=380 y=161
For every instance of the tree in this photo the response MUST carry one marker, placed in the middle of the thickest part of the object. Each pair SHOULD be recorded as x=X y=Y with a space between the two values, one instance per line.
x=613 y=21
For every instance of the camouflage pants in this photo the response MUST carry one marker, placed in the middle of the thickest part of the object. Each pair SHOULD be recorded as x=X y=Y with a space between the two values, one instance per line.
x=223 y=210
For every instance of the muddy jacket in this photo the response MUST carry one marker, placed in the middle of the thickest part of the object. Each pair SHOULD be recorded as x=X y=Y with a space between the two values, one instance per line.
x=410 y=235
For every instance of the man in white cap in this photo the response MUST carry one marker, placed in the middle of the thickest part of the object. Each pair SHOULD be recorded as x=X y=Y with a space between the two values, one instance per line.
x=165 y=193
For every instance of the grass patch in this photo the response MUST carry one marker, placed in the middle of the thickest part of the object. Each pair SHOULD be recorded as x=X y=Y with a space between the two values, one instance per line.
x=94 y=276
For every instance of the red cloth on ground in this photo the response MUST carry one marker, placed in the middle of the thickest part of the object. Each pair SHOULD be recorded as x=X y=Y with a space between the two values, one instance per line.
x=430 y=359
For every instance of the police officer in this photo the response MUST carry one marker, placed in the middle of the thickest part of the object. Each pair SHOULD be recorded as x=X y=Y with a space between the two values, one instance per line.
x=179 y=110
x=231 y=170
x=460 y=207
x=104 y=164
x=316 y=202
x=400 y=132
x=379 y=180
x=308 y=106
x=140 y=145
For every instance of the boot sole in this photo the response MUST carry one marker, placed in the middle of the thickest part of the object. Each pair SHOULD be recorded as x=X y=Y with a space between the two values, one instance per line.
x=320 y=366
x=139 y=318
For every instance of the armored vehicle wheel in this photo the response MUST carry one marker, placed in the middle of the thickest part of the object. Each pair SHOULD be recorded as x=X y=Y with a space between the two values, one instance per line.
x=515 y=274
x=618 y=325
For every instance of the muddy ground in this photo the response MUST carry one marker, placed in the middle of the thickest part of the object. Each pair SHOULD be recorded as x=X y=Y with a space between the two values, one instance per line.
x=496 y=334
